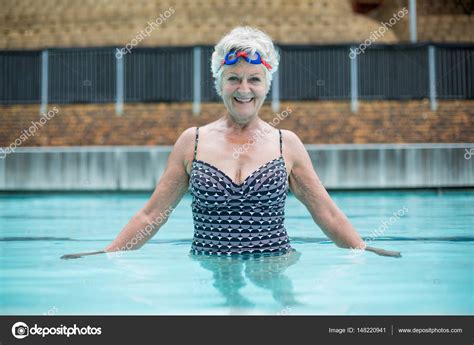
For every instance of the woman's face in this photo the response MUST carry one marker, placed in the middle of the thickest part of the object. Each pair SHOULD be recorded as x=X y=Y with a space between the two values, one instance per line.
x=243 y=90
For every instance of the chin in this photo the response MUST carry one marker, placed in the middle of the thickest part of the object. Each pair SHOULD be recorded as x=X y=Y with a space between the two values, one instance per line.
x=241 y=117
x=243 y=113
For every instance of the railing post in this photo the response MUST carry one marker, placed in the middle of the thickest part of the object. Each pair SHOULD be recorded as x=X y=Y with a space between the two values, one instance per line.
x=119 y=83
x=44 y=81
x=276 y=92
x=354 y=83
x=412 y=19
x=432 y=77
x=197 y=81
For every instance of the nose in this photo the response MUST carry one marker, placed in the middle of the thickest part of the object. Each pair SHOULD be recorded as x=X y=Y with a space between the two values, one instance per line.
x=244 y=86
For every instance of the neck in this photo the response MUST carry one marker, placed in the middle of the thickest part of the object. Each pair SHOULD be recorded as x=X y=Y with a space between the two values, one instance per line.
x=248 y=125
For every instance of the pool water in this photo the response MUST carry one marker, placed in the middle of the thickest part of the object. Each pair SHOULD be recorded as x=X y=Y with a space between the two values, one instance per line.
x=433 y=230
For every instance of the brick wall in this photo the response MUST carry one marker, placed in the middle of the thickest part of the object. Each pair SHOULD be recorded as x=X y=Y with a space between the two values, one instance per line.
x=315 y=122
x=69 y=23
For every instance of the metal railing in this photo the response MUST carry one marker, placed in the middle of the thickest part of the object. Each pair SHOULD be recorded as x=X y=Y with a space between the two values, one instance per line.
x=174 y=74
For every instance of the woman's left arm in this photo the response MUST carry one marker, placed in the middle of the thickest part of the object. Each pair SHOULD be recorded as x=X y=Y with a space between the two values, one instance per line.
x=307 y=187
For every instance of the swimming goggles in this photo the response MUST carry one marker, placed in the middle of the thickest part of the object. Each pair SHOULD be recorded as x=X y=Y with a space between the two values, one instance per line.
x=233 y=56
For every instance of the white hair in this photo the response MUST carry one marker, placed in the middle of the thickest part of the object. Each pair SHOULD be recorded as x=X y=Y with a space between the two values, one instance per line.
x=244 y=38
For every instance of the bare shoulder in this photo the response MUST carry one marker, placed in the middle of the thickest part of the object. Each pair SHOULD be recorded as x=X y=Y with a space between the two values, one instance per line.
x=185 y=139
x=186 y=136
x=292 y=145
x=184 y=146
x=294 y=151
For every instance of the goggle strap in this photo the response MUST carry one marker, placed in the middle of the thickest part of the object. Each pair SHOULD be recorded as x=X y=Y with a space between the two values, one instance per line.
x=266 y=64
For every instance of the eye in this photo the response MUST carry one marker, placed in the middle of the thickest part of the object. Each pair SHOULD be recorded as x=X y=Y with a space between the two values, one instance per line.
x=232 y=78
x=255 y=79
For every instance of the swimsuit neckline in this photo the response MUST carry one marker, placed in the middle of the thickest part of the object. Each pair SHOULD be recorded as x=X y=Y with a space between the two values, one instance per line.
x=246 y=179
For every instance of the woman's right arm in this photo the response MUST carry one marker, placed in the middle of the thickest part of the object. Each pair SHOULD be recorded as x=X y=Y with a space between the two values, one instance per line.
x=170 y=189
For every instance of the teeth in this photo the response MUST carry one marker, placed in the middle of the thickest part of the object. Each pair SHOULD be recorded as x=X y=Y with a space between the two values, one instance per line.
x=243 y=100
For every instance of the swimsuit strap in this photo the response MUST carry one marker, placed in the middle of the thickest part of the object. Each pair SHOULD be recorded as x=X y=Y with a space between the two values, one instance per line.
x=281 y=144
x=196 y=142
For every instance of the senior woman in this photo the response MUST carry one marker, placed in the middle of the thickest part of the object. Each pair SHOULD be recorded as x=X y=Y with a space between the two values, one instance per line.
x=238 y=201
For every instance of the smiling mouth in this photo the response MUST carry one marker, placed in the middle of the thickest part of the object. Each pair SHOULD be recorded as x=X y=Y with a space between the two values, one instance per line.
x=243 y=100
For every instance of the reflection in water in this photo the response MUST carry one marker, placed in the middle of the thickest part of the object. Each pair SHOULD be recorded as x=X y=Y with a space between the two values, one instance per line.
x=266 y=272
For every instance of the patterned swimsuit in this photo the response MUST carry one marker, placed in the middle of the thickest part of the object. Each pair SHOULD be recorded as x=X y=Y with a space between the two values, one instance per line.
x=234 y=219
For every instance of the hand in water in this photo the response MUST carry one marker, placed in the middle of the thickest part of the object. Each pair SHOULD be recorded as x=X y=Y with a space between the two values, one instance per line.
x=80 y=255
x=384 y=252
